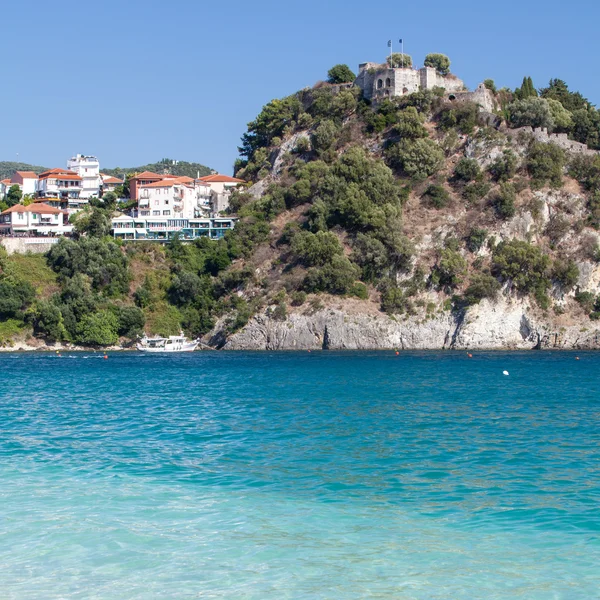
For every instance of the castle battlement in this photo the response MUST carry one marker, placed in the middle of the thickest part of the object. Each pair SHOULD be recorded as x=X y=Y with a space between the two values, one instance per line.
x=380 y=81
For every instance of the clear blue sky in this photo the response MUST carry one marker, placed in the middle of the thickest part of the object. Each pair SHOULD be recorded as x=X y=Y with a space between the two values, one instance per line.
x=133 y=82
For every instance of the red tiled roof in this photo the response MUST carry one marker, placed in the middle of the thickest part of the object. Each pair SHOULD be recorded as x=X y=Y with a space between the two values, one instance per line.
x=40 y=209
x=163 y=183
x=147 y=175
x=6 y=181
x=110 y=179
x=55 y=172
x=218 y=178
x=27 y=174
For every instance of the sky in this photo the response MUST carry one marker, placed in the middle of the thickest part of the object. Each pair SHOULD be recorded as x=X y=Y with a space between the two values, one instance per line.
x=133 y=82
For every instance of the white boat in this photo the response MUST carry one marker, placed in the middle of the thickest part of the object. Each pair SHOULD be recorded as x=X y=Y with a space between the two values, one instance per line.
x=173 y=343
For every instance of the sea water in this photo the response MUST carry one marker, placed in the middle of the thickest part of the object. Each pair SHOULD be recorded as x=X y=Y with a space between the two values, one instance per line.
x=300 y=475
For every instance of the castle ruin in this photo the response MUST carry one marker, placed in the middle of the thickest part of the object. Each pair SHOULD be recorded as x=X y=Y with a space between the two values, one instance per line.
x=379 y=82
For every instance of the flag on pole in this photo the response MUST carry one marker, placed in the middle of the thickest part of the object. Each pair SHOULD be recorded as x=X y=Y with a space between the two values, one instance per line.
x=389 y=43
x=400 y=40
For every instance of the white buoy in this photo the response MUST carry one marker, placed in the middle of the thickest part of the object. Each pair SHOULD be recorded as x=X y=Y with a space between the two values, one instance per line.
x=504 y=372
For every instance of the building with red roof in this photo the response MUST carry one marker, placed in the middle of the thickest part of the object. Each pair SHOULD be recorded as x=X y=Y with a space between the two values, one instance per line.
x=34 y=220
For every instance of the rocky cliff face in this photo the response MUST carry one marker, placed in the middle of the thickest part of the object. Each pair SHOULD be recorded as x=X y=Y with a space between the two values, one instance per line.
x=505 y=324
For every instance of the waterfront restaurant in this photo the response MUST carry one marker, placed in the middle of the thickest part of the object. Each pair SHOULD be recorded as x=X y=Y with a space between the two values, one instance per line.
x=164 y=229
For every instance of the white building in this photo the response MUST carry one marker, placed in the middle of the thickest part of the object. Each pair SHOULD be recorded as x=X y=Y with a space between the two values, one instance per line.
x=177 y=197
x=162 y=229
x=35 y=219
x=26 y=180
x=63 y=185
x=88 y=168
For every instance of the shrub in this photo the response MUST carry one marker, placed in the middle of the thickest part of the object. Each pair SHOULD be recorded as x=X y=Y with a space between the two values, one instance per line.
x=525 y=265
x=534 y=112
x=545 y=164
x=504 y=201
x=565 y=273
x=504 y=167
x=397 y=59
x=490 y=85
x=586 y=299
x=466 y=170
x=473 y=192
x=340 y=74
x=98 y=329
x=298 y=298
x=370 y=254
x=48 y=321
x=336 y=277
x=450 y=269
x=586 y=169
x=393 y=299
x=462 y=117
x=315 y=249
x=436 y=196
x=360 y=291
x=557 y=228
x=475 y=239
x=324 y=136
x=409 y=124
x=481 y=286
x=418 y=159
x=15 y=297
x=440 y=62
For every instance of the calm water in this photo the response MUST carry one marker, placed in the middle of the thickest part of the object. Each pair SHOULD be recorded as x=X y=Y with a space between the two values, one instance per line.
x=300 y=475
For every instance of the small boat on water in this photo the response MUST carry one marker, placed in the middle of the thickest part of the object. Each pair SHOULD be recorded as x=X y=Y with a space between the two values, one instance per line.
x=173 y=343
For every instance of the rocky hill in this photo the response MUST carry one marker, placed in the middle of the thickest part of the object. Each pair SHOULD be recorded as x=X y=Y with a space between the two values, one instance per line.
x=423 y=223
x=419 y=221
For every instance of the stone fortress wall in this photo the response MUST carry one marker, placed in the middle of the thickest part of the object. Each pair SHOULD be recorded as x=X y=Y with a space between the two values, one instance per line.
x=379 y=82
x=540 y=134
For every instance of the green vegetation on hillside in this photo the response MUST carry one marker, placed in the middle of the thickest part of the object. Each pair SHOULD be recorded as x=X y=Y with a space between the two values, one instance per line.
x=166 y=166
x=7 y=168
x=415 y=203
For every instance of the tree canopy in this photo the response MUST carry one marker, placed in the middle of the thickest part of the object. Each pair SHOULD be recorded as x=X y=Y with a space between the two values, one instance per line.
x=440 y=62
x=340 y=74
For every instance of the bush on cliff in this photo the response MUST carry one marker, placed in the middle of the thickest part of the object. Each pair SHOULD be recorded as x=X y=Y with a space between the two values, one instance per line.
x=524 y=265
x=440 y=62
x=340 y=74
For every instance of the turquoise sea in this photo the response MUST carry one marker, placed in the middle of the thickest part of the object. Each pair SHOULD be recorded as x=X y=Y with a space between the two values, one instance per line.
x=300 y=475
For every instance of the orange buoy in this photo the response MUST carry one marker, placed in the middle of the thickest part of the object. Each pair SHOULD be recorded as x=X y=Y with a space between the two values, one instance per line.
x=397 y=353
x=470 y=355
x=105 y=356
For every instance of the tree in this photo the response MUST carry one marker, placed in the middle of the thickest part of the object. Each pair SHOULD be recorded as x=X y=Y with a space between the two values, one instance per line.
x=418 y=159
x=340 y=74
x=397 y=59
x=14 y=195
x=436 y=195
x=481 y=286
x=504 y=167
x=534 y=112
x=98 y=329
x=475 y=239
x=315 y=249
x=504 y=202
x=466 y=169
x=558 y=90
x=450 y=269
x=526 y=90
x=525 y=265
x=440 y=62
x=563 y=120
x=545 y=163
x=410 y=124
x=324 y=136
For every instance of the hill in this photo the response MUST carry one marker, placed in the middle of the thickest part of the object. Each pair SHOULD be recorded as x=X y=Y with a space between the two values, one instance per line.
x=421 y=221
x=166 y=166
x=7 y=168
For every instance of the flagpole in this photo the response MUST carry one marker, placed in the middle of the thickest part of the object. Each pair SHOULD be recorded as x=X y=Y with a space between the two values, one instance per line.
x=391 y=54
x=402 y=51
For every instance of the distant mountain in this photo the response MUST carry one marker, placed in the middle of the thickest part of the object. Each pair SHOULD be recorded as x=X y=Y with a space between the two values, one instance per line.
x=166 y=166
x=7 y=168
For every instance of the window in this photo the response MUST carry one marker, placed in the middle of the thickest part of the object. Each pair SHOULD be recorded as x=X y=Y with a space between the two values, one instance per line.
x=379 y=84
x=167 y=213
x=156 y=202
x=388 y=82
x=156 y=213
